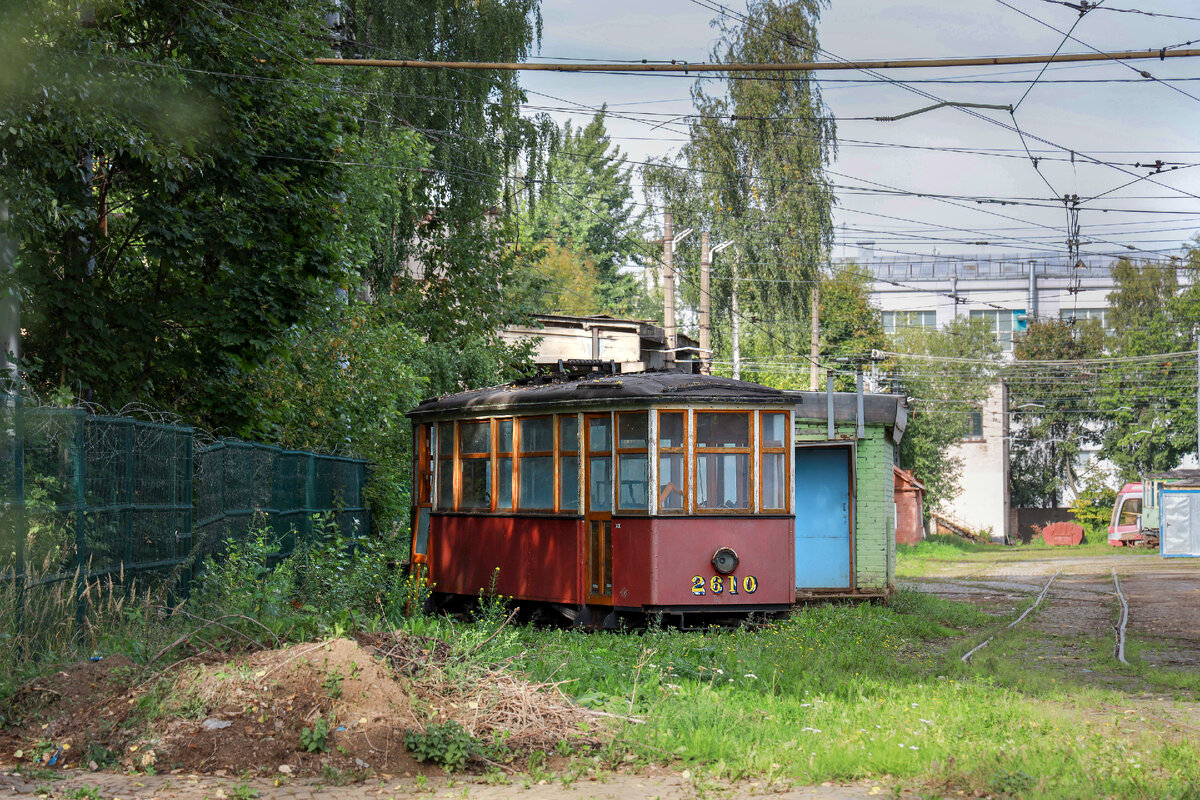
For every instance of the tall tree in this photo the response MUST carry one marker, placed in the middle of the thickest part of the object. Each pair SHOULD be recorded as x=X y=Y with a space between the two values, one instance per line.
x=176 y=207
x=1151 y=403
x=952 y=377
x=581 y=199
x=1051 y=424
x=757 y=151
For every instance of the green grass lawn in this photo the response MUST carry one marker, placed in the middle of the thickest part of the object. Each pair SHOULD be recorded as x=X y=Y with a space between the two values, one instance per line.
x=844 y=692
x=937 y=551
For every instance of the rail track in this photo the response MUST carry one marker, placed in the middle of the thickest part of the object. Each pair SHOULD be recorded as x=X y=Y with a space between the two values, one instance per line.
x=1041 y=596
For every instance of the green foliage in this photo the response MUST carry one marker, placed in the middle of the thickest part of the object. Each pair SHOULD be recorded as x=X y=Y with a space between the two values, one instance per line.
x=315 y=739
x=753 y=172
x=1151 y=406
x=172 y=217
x=580 y=201
x=1093 y=507
x=943 y=395
x=1048 y=432
x=444 y=743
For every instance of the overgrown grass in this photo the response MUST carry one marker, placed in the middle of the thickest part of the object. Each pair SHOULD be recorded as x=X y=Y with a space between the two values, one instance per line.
x=935 y=552
x=842 y=692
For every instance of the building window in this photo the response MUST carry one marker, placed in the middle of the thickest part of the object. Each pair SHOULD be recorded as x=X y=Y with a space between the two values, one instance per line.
x=1003 y=322
x=894 y=321
x=504 y=465
x=1072 y=315
x=723 y=450
x=568 y=463
x=445 y=477
x=672 y=462
x=773 y=454
x=475 y=465
x=633 y=461
x=975 y=424
x=535 y=463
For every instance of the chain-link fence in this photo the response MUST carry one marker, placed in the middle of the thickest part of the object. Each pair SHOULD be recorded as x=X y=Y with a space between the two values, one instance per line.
x=91 y=499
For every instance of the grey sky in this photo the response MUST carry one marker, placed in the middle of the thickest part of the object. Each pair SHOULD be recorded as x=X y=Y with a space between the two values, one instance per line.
x=1150 y=120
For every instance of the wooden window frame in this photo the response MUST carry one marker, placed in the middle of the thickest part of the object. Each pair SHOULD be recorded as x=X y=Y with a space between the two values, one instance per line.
x=518 y=456
x=461 y=457
x=499 y=454
x=749 y=451
x=425 y=468
x=619 y=451
x=681 y=450
x=442 y=460
x=763 y=449
x=577 y=453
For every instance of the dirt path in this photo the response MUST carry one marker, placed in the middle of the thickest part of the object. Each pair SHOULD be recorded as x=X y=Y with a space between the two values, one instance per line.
x=615 y=787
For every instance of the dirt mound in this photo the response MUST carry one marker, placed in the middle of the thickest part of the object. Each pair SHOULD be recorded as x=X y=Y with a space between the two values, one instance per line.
x=75 y=688
x=334 y=708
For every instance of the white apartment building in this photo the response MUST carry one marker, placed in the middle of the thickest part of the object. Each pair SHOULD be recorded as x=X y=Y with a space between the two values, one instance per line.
x=1008 y=291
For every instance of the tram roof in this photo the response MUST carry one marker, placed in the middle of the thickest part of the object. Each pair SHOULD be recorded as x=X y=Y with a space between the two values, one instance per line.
x=637 y=388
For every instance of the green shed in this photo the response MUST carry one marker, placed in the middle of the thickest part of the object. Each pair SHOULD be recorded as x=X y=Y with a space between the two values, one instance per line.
x=845 y=451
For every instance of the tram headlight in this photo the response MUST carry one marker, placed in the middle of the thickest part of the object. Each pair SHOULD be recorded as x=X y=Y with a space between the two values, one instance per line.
x=725 y=560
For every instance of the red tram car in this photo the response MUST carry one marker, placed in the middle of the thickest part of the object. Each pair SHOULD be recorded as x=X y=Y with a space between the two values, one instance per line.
x=609 y=495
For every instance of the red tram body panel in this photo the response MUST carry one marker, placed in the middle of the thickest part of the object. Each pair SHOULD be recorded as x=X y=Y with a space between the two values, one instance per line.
x=657 y=560
x=538 y=558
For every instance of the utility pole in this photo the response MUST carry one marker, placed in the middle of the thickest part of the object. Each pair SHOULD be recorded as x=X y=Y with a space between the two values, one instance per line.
x=1197 y=338
x=735 y=321
x=668 y=289
x=705 y=306
x=814 y=345
x=1005 y=455
x=706 y=258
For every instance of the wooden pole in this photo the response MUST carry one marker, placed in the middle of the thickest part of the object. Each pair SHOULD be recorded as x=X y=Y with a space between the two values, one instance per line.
x=668 y=288
x=814 y=339
x=705 y=306
x=793 y=66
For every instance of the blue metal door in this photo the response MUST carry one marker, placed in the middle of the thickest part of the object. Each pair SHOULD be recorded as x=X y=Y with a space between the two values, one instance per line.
x=822 y=507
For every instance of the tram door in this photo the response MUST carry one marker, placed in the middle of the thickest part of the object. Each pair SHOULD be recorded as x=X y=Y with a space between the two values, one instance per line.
x=598 y=513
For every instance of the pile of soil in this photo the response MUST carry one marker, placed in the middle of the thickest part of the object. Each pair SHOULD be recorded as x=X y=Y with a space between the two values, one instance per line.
x=336 y=707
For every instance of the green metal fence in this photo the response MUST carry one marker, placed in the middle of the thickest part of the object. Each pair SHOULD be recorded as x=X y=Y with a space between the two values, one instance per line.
x=89 y=497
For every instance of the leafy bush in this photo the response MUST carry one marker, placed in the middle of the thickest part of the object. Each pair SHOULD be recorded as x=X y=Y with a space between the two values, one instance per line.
x=1093 y=506
x=316 y=738
x=446 y=744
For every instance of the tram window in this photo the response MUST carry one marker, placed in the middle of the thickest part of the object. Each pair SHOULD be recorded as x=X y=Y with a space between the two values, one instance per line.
x=504 y=465
x=568 y=463
x=723 y=481
x=600 y=483
x=475 y=483
x=600 y=464
x=773 y=463
x=537 y=434
x=672 y=455
x=633 y=461
x=475 y=438
x=535 y=465
x=774 y=429
x=670 y=429
x=1129 y=511
x=773 y=481
x=722 y=429
x=445 y=478
x=723 y=451
x=632 y=430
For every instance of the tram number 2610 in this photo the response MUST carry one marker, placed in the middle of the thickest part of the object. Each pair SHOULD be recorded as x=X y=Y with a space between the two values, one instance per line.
x=724 y=584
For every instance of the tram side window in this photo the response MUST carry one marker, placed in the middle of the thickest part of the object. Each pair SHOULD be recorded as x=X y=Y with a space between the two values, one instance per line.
x=774 y=461
x=504 y=465
x=599 y=446
x=475 y=465
x=568 y=463
x=633 y=461
x=445 y=480
x=672 y=461
x=723 y=450
x=535 y=465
